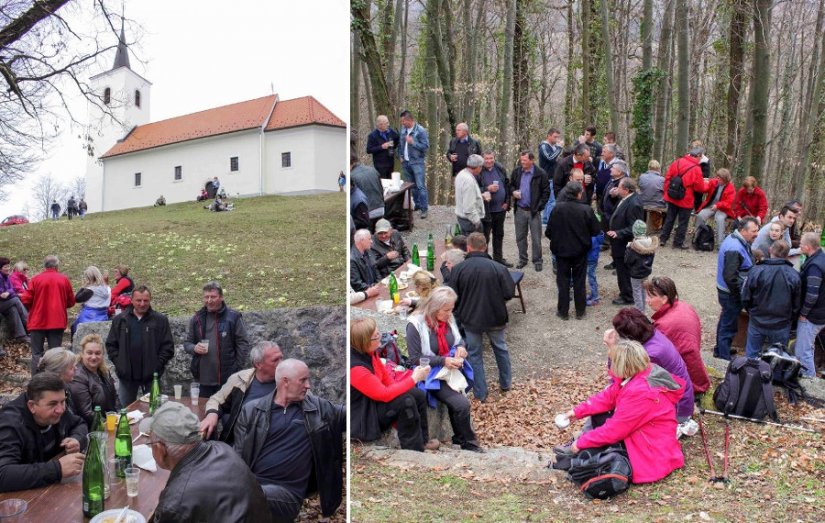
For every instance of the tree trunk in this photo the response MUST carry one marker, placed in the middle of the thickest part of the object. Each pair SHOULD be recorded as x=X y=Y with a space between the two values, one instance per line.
x=817 y=123
x=361 y=26
x=683 y=60
x=663 y=61
x=393 y=81
x=809 y=116
x=736 y=38
x=588 y=79
x=647 y=35
x=355 y=93
x=507 y=82
x=521 y=78
x=444 y=66
x=571 y=71
x=401 y=97
x=760 y=85
x=608 y=68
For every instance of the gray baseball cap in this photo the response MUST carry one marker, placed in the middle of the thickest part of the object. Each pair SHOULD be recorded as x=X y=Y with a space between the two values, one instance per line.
x=173 y=423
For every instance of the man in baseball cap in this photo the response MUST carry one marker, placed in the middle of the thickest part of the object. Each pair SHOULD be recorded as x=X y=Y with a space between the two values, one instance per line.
x=388 y=248
x=197 y=489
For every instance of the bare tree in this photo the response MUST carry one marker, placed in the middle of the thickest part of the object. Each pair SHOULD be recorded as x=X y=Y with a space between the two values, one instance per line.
x=47 y=47
x=45 y=191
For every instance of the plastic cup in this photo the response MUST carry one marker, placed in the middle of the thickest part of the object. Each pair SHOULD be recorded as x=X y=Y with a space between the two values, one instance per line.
x=205 y=345
x=562 y=421
x=195 y=392
x=164 y=398
x=402 y=313
x=178 y=391
x=111 y=421
x=132 y=479
x=13 y=509
x=424 y=361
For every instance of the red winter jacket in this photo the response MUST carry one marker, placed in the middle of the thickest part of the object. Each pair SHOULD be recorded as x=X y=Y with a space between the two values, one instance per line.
x=688 y=166
x=379 y=386
x=50 y=294
x=725 y=203
x=751 y=204
x=644 y=417
x=680 y=323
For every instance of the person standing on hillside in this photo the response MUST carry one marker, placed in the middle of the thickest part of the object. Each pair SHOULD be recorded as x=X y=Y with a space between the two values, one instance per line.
x=469 y=201
x=82 y=207
x=683 y=177
x=217 y=341
x=47 y=298
x=381 y=144
x=549 y=152
x=139 y=344
x=462 y=146
x=55 y=208
x=530 y=191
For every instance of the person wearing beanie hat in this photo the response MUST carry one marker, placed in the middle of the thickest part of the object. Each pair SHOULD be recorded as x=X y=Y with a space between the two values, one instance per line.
x=639 y=261
x=388 y=248
x=10 y=305
x=197 y=469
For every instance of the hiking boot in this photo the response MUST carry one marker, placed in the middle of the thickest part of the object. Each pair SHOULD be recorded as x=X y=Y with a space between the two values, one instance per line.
x=423 y=214
x=433 y=444
x=610 y=266
x=472 y=446
x=505 y=263
x=538 y=267
x=521 y=265
x=580 y=316
x=565 y=448
x=565 y=317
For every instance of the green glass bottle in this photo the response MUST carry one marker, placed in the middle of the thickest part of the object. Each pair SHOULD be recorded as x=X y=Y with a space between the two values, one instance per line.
x=457 y=230
x=448 y=239
x=430 y=253
x=123 y=445
x=97 y=421
x=93 y=487
x=154 y=395
x=394 y=289
x=415 y=260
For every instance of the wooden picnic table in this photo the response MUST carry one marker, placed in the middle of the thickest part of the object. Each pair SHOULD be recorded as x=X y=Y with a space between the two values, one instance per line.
x=405 y=196
x=63 y=502
x=384 y=294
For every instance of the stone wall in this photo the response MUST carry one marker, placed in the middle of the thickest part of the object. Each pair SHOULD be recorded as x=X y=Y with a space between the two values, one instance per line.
x=316 y=335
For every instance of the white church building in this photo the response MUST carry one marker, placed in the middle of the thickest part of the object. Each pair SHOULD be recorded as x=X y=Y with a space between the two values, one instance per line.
x=255 y=147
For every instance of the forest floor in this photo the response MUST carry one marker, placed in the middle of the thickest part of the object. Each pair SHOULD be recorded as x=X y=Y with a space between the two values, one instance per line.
x=776 y=473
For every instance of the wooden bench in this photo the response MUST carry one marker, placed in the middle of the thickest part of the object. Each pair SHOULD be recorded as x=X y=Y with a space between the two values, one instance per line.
x=517 y=277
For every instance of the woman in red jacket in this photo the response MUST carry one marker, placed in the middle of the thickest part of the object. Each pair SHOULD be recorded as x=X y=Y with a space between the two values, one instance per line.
x=643 y=399
x=719 y=203
x=679 y=322
x=379 y=398
x=123 y=287
x=751 y=201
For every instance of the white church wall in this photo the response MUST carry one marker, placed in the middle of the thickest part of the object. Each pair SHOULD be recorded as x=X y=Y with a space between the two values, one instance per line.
x=316 y=152
x=200 y=160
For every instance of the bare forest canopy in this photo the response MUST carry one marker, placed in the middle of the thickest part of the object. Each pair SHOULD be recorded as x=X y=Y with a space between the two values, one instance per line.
x=746 y=77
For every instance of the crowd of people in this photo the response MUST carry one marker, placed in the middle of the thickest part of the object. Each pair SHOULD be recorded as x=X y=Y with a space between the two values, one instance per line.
x=277 y=459
x=588 y=202
x=73 y=208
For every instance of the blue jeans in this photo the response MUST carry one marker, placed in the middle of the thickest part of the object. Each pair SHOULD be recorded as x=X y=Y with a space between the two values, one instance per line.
x=591 y=280
x=757 y=336
x=415 y=173
x=728 y=324
x=806 y=333
x=551 y=202
x=474 y=356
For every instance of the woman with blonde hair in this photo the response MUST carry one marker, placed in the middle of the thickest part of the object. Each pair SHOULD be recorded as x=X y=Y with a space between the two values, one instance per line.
x=61 y=362
x=377 y=399
x=19 y=277
x=92 y=385
x=643 y=399
x=423 y=282
x=432 y=333
x=95 y=295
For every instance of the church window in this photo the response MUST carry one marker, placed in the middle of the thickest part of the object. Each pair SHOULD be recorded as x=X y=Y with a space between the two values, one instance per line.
x=137 y=179
x=137 y=98
x=286 y=159
x=178 y=172
x=107 y=95
x=233 y=163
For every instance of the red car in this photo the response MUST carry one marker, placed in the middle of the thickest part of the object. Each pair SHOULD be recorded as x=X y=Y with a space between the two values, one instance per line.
x=14 y=220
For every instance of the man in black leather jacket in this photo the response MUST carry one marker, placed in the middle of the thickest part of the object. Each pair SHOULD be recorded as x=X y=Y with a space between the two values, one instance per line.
x=208 y=481
x=293 y=442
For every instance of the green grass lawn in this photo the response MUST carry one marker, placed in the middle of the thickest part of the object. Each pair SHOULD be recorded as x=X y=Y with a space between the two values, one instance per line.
x=272 y=251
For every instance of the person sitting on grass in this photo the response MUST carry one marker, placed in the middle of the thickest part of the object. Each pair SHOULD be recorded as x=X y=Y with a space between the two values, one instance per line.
x=160 y=202
x=379 y=401
x=642 y=397
x=639 y=260
x=35 y=428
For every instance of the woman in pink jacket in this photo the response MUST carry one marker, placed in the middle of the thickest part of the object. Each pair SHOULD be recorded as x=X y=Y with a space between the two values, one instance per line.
x=643 y=399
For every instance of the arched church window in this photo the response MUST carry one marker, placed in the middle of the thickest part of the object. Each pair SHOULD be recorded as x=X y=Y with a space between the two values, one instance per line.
x=107 y=95
x=137 y=98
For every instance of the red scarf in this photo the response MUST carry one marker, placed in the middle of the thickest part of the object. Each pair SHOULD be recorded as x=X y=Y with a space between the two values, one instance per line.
x=441 y=336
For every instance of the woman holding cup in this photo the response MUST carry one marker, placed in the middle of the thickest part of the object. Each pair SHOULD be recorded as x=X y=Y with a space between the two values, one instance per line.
x=432 y=335
x=92 y=384
x=379 y=398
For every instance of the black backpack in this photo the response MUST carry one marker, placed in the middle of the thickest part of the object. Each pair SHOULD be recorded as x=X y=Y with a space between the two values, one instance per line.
x=601 y=473
x=786 y=370
x=747 y=390
x=388 y=349
x=676 y=187
x=704 y=239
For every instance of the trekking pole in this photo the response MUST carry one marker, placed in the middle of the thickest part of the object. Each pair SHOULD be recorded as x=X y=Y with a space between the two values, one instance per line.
x=762 y=422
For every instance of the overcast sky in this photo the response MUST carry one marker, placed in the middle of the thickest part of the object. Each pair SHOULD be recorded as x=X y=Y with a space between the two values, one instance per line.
x=200 y=55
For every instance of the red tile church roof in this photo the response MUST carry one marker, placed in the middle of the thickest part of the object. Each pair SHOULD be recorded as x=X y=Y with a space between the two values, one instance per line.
x=231 y=118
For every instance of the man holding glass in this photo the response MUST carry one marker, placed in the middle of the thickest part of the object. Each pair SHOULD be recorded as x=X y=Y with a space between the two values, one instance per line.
x=216 y=340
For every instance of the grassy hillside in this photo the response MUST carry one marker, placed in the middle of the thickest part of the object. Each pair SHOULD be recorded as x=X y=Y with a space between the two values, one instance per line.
x=271 y=251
